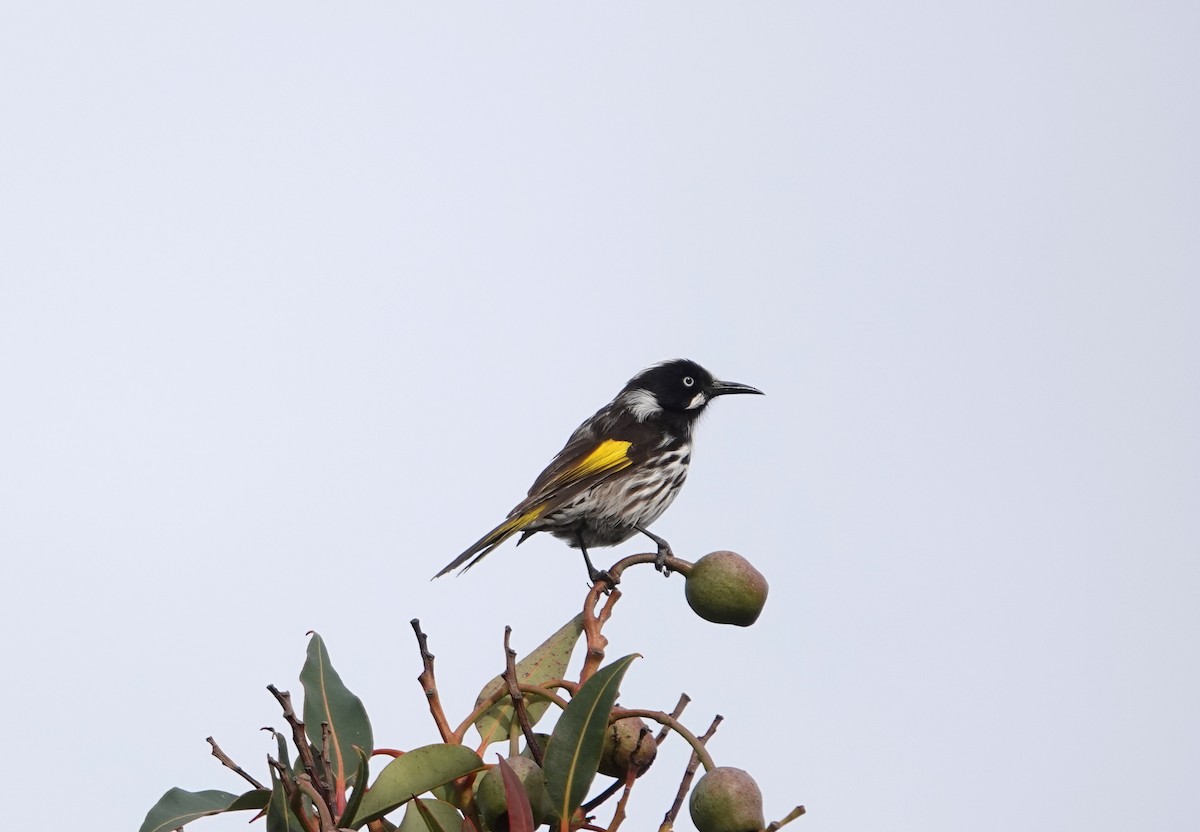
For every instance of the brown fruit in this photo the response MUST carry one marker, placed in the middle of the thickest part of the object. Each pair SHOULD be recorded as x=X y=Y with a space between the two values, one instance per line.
x=622 y=748
x=723 y=587
x=727 y=800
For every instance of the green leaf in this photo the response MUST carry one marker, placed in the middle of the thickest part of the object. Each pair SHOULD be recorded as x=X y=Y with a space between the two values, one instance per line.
x=573 y=753
x=360 y=788
x=413 y=773
x=430 y=816
x=545 y=664
x=177 y=807
x=281 y=744
x=280 y=817
x=326 y=699
x=520 y=813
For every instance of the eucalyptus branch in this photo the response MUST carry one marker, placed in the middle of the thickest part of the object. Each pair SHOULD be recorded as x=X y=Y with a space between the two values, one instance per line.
x=538 y=690
x=619 y=814
x=429 y=684
x=285 y=774
x=228 y=763
x=291 y=793
x=501 y=693
x=482 y=708
x=299 y=739
x=673 y=564
x=310 y=822
x=593 y=623
x=791 y=816
x=684 y=699
x=675 y=725
x=690 y=772
x=612 y=788
x=329 y=783
x=518 y=700
x=305 y=784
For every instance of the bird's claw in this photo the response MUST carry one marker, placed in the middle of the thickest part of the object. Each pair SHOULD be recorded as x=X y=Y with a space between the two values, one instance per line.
x=660 y=562
x=603 y=576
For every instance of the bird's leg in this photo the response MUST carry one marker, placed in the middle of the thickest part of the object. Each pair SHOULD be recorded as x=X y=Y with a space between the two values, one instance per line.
x=664 y=550
x=594 y=575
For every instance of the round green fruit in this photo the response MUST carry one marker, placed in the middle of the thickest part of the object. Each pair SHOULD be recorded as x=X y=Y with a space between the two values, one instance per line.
x=727 y=800
x=490 y=797
x=724 y=588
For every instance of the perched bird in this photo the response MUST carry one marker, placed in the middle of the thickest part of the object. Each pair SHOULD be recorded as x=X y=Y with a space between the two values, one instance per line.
x=619 y=470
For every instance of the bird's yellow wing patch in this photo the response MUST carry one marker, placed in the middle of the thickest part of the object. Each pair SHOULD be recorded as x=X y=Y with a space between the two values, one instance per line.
x=609 y=455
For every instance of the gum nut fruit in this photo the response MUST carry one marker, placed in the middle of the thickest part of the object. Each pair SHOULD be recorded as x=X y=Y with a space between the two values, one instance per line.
x=727 y=800
x=489 y=792
x=724 y=588
x=622 y=748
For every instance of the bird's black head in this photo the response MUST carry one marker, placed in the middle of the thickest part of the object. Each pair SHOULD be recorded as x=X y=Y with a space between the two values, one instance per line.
x=679 y=386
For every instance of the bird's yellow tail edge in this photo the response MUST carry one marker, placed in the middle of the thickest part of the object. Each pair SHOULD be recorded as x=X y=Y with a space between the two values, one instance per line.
x=511 y=527
x=493 y=539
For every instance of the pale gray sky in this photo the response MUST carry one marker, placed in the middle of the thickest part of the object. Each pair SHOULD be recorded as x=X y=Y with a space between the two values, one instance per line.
x=297 y=301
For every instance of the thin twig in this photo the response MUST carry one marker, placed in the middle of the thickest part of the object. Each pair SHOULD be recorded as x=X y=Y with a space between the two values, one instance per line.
x=612 y=788
x=593 y=623
x=684 y=699
x=228 y=763
x=327 y=768
x=299 y=738
x=518 y=700
x=286 y=779
x=675 y=725
x=690 y=772
x=482 y=708
x=791 y=816
x=563 y=684
x=305 y=784
x=541 y=692
x=501 y=693
x=429 y=685
x=291 y=791
x=672 y=563
x=619 y=814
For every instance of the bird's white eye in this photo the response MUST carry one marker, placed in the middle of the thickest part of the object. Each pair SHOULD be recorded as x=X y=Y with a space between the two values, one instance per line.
x=688 y=381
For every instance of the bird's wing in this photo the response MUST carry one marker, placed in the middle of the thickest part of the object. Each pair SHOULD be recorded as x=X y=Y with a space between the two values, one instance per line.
x=584 y=462
x=589 y=459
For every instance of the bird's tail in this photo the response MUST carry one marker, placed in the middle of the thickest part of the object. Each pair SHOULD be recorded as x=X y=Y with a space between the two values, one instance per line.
x=478 y=550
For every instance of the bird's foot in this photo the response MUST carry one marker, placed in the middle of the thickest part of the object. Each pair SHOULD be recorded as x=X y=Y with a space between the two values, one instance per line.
x=603 y=576
x=598 y=575
x=664 y=551
x=660 y=562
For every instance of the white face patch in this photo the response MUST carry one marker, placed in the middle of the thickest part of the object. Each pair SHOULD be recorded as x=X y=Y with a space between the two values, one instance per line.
x=642 y=404
x=698 y=400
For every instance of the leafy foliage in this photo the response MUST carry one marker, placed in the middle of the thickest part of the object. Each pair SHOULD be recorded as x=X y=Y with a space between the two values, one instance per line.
x=328 y=787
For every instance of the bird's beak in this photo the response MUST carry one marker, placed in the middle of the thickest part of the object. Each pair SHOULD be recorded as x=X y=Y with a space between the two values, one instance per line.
x=725 y=388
